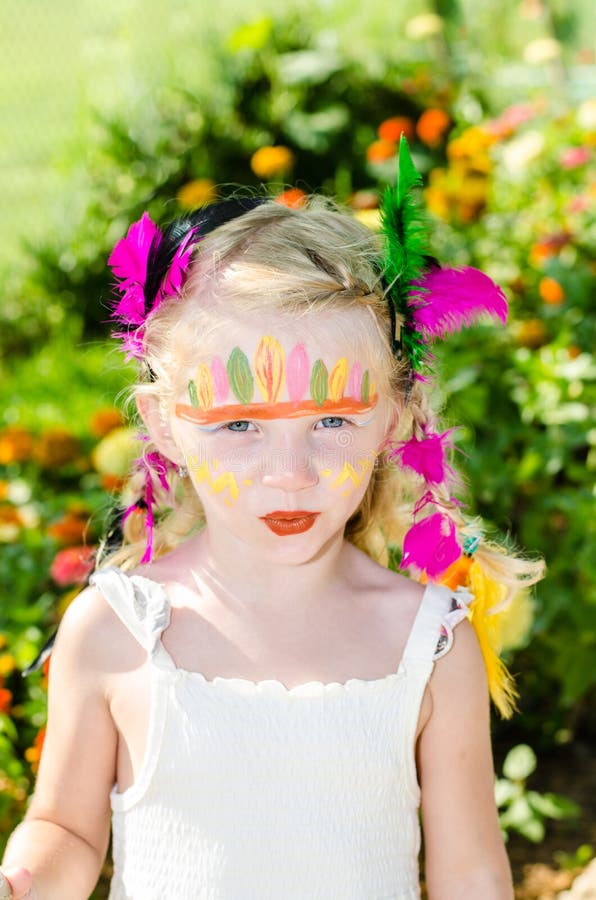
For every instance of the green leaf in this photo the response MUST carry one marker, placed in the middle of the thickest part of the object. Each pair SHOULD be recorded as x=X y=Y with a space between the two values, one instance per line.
x=252 y=36
x=308 y=66
x=553 y=806
x=519 y=763
x=505 y=791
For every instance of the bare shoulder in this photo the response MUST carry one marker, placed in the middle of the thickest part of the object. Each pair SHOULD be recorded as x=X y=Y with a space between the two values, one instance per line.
x=92 y=638
x=389 y=598
x=463 y=664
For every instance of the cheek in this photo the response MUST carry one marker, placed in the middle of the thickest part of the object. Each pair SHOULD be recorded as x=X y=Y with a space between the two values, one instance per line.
x=212 y=480
x=351 y=478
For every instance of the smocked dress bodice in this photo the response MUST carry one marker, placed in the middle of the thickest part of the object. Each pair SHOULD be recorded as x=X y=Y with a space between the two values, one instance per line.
x=253 y=791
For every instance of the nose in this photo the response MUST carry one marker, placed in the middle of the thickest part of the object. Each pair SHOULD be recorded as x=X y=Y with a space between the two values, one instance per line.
x=287 y=471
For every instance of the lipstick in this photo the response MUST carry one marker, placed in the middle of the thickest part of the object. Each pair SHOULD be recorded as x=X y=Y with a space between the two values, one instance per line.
x=283 y=522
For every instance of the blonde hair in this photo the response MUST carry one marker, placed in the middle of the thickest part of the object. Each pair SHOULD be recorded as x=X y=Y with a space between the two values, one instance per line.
x=293 y=262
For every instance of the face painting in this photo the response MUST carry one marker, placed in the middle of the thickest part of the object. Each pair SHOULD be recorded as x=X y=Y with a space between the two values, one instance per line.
x=237 y=390
x=280 y=440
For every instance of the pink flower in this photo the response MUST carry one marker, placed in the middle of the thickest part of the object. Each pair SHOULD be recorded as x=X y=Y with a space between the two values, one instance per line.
x=573 y=157
x=72 y=565
x=431 y=545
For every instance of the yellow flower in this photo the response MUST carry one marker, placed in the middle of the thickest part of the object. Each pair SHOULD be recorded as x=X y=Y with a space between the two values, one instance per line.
x=269 y=162
x=369 y=217
x=7 y=664
x=199 y=192
x=542 y=50
x=115 y=453
x=424 y=26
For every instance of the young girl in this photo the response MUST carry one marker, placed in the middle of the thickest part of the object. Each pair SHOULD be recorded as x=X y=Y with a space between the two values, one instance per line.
x=257 y=702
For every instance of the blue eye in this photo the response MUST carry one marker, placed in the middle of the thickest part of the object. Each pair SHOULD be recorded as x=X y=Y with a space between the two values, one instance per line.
x=332 y=422
x=239 y=425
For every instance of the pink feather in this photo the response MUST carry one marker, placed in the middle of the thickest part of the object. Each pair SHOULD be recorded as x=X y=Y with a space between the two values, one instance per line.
x=174 y=277
x=427 y=456
x=445 y=300
x=431 y=545
x=128 y=261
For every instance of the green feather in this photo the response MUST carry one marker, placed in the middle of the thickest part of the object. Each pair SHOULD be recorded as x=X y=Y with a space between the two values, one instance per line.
x=404 y=226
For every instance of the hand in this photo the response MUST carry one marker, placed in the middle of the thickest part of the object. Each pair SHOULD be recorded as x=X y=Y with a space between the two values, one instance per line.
x=16 y=884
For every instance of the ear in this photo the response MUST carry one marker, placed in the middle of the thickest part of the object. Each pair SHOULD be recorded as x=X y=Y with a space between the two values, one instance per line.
x=158 y=427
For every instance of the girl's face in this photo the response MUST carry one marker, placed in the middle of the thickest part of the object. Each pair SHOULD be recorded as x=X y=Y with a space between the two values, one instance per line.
x=280 y=431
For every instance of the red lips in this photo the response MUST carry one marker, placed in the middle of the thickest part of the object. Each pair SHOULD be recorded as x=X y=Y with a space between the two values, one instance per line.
x=284 y=522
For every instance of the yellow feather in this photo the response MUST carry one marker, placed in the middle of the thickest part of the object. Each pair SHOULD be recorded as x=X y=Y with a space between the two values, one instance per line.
x=487 y=595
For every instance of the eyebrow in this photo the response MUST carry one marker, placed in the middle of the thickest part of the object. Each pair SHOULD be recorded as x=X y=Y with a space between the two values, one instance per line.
x=290 y=409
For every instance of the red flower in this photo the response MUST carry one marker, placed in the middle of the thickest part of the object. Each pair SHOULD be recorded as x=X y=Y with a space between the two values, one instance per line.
x=294 y=198
x=5 y=700
x=392 y=129
x=72 y=565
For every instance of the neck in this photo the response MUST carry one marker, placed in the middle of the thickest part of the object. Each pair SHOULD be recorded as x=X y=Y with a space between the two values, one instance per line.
x=241 y=577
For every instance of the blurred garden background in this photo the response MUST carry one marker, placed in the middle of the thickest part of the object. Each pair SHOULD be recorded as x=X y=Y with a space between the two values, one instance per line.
x=109 y=109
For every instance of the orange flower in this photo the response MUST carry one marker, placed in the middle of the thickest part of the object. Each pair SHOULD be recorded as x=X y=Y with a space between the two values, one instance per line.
x=432 y=125
x=364 y=200
x=16 y=445
x=5 y=700
x=105 y=420
x=56 y=448
x=71 y=528
x=295 y=198
x=72 y=565
x=269 y=162
x=199 y=192
x=112 y=483
x=392 y=129
x=379 y=151
x=551 y=291
x=531 y=333
x=33 y=754
x=549 y=246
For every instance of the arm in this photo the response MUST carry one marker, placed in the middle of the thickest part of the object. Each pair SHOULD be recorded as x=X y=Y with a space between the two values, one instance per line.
x=64 y=837
x=464 y=851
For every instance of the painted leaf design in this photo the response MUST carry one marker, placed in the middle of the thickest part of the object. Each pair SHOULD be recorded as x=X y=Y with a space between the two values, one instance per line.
x=365 y=388
x=241 y=380
x=270 y=368
x=221 y=385
x=297 y=372
x=338 y=378
x=355 y=381
x=192 y=393
x=204 y=385
x=319 y=380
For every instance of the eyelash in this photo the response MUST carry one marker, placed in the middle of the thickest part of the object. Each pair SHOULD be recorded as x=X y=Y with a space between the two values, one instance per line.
x=227 y=425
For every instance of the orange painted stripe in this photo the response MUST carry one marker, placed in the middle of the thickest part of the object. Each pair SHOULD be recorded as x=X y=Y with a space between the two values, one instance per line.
x=289 y=409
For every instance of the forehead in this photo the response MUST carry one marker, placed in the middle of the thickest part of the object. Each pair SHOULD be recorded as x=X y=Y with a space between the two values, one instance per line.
x=327 y=334
x=283 y=369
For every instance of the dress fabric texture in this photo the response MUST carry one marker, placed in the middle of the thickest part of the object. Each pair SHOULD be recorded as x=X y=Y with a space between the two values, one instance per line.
x=253 y=791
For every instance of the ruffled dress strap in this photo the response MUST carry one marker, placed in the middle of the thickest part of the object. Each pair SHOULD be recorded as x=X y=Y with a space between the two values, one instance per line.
x=441 y=609
x=142 y=606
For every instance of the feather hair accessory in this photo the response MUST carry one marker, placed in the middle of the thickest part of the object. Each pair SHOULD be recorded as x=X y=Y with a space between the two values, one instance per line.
x=150 y=267
x=426 y=302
